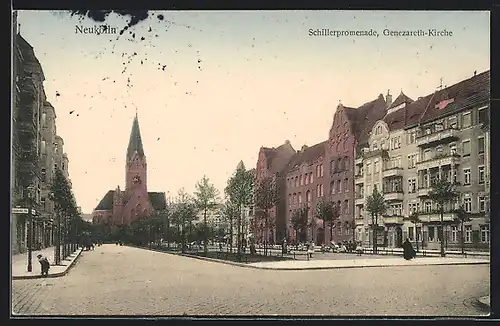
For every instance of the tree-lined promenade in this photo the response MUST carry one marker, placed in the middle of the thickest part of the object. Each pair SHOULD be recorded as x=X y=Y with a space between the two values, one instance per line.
x=185 y=218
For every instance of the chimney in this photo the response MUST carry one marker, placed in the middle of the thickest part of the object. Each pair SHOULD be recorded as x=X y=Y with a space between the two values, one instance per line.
x=388 y=98
x=303 y=148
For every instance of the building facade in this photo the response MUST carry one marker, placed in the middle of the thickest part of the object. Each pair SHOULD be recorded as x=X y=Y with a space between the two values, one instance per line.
x=441 y=135
x=33 y=138
x=122 y=207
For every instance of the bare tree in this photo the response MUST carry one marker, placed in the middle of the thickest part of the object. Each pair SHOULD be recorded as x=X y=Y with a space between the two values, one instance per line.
x=206 y=196
x=266 y=197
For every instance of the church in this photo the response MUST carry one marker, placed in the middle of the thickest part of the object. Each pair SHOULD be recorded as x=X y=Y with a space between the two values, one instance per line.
x=122 y=207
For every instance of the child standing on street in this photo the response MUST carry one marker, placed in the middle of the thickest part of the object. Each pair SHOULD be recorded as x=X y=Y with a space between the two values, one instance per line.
x=44 y=264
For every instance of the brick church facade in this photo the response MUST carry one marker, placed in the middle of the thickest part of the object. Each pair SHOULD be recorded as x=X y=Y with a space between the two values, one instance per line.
x=122 y=207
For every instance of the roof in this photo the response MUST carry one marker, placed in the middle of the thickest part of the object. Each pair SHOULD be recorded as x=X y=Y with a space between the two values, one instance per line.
x=28 y=53
x=464 y=94
x=364 y=118
x=106 y=202
x=135 y=141
x=402 y=98
x=278 y=158
x=307 y=155
x=157 y=200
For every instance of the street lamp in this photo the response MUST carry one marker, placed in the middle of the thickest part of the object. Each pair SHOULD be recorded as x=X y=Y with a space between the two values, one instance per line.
x=30 y=228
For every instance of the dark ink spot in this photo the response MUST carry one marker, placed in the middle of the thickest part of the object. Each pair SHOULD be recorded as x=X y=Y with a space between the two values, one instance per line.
x=160 y=17
x=142 y=38
x=58 y=94
x=71 y=112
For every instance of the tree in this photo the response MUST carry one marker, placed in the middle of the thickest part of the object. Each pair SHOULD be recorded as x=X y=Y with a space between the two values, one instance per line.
x=415 y=219
x=228 y=210
x=64 y=205
x=239 y=190
x=328 y=212
x=206 y=196
x=187 y=213
x=376 y=206
x=299 y=221
x=443 y=192
x=462 y=217
x=266 y=197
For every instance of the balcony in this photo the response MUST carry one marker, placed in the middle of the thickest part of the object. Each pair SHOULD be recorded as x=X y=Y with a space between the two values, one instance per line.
x=434 y=216
x=439 y=160
x=393 y=219
x=392 y=172
x=438 y=137
x=378 y=152
x=394 y=195
x=28 y=87
x=359 y=200
x=423 y=191
x=26 y=126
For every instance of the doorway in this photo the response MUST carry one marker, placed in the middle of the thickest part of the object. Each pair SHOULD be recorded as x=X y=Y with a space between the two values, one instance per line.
x=399 y=237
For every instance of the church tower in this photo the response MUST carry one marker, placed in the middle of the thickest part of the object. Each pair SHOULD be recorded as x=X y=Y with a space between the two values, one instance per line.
x=135 y=166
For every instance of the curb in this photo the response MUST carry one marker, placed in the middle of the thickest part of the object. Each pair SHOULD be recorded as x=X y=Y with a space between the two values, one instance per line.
x=214 y=260
x=59 y=274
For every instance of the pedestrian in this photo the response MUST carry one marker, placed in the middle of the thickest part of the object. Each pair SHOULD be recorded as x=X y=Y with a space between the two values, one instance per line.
x=44 y=264
x=310 y=250
x=408 y=251
x=359 y=249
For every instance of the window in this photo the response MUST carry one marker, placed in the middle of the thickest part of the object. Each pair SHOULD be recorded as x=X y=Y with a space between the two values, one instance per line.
x=452 y=122
x=368 y=168
x=466 y=148
x=410 y=232
x=317 y=171
x=294 y=198
x=301 y=178
x=375 y=167
x=480 y=145
x=431 y=234
x=482 y=115
x=439 y=150
x=378 y=130
x=411 y=137
x=346 y=185
x=346 y=206
x=468 y=233
x=332 y=187
x=306 y=179
x=300 y=198
x=467 y=177
x=428 y=206
x=485 y=233
x=481 y=204
x=480 y=174
x=321 y=189
x=468 y=204
x=454 y=234
x=296 y=181
x=321 y=170
x=311 y=179
x=375 y=146
x=412 y=161
x=368 y=190
x=308 y=196
x=289 y=199
x=466 y=120
x=339 y=186
x=346 y=163
x=412 y=185
x=427 y=154
x=453 y=149
x=44 y=119
x=42 y=147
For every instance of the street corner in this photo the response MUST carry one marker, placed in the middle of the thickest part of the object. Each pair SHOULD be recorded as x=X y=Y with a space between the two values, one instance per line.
x=18 y=272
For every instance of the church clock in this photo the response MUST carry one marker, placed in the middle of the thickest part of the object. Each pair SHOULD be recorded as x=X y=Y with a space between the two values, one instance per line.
x=136 y=179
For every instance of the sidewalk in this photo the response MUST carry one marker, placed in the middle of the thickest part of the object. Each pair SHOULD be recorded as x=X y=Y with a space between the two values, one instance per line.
x=20 y=263
x=358 y=263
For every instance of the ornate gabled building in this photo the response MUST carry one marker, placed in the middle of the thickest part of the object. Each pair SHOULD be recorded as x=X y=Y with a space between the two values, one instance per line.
x=122 y=207
x=441 y=135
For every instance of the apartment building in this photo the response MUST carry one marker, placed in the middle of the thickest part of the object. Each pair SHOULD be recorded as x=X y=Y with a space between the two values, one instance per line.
x=442 y=134
x=34 y=143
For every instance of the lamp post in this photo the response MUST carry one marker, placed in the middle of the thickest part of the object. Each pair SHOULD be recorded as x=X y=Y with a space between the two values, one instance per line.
x=30 y=229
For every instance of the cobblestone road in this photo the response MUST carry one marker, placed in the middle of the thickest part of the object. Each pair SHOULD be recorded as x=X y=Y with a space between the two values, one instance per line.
x=129 y=281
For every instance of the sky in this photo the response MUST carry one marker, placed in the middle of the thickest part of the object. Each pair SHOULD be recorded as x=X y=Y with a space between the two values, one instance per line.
x=211 y=88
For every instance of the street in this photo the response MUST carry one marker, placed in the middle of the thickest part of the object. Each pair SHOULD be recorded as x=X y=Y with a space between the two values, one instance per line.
x=129 y=281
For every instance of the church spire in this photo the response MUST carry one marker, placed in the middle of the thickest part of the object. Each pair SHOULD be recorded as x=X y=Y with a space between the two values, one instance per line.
x=135 y=142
